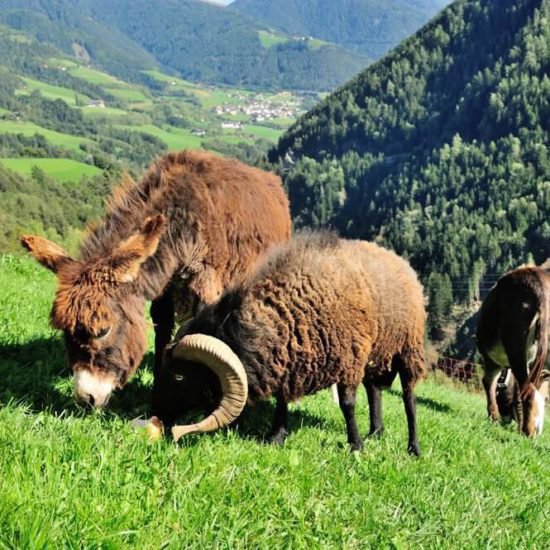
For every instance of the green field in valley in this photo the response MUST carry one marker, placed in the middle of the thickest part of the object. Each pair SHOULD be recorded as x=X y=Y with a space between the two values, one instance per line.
x=61 y=169
x=68 y=476
x=29 y=129
x=53 y=92
x=175 y=138
x=263 y=132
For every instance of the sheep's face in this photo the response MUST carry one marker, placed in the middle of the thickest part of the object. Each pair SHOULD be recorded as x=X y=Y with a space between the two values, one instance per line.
x=184 y=387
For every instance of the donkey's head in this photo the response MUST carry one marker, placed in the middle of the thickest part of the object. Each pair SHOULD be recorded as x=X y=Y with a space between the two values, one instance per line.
x=100 y=308
x=530 y=406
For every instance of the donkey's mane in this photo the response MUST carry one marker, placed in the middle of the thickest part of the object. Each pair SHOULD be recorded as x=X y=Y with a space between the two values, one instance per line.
x=126 y=209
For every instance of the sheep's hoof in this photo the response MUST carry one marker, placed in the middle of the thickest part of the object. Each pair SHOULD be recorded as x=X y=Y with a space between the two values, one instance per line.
x=356 y=447
x=278 y=437
x=414 y=449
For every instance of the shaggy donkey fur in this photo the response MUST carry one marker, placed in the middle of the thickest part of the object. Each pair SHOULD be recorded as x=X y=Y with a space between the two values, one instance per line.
x=319 y=311
x=193 y=225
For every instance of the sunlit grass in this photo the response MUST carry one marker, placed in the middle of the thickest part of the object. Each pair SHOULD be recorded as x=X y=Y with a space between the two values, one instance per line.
x=71 y=479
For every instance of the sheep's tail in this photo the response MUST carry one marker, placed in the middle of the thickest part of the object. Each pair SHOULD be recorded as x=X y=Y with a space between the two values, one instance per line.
x=417 y=367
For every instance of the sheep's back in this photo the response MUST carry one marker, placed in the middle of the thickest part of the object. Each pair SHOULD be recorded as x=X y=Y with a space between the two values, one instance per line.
x=326 y=308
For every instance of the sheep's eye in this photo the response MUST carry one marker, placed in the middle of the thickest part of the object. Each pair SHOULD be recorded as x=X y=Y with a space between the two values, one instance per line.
x=102 y=333
x=178 y=377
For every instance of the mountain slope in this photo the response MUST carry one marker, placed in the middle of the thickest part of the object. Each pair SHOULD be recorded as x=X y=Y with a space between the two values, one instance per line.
x=370 y=27
x=439 y=150
x=197 y=40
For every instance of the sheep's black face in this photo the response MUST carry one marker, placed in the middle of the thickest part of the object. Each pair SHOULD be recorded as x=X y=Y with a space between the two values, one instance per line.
x=184 y=387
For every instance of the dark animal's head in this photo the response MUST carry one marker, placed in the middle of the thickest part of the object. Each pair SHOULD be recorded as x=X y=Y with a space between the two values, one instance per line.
x=98 y=309
x=527 y=407
x=530 y=406
x=201 y=372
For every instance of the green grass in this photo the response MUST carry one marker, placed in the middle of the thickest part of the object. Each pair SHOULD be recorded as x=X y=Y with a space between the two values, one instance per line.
x=61 y=169
x=129 y=94
x=263 y=132
x=52 y=92
x=175 y=138
x=95 y=77
x=29 y=129
x=269 y=39
x=70 y=479
x=104 y=112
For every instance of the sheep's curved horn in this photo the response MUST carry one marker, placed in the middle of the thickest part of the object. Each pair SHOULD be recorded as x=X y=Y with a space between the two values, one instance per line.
x=218 y=357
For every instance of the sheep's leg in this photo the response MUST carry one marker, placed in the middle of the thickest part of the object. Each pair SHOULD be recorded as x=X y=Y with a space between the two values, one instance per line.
x=409 y=401
x=162 y=314
x=490 y=379
x=374 y=395
x=346 y=397
x=279 y=430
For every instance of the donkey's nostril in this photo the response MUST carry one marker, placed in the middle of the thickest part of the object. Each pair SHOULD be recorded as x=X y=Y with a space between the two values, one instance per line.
x=91 y=399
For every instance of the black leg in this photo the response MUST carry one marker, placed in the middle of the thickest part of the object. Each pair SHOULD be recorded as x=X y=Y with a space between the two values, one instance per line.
x=346 y=397
x=279 y=430
x=374 y=395
x=409 y=401
x=162 y=314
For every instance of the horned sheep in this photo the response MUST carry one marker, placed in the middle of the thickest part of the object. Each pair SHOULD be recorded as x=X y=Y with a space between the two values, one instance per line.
x=319 y=311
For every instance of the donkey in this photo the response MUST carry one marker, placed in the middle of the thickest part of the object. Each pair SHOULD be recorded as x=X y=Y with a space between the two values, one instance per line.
x=512 y=332
x=195 y=224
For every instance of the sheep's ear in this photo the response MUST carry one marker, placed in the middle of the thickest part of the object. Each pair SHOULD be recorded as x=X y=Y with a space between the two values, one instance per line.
x=45 y=252
x=126 y=259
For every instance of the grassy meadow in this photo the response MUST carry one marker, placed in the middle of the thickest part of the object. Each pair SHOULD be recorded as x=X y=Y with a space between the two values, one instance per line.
x=61 y=169
x=86 y=480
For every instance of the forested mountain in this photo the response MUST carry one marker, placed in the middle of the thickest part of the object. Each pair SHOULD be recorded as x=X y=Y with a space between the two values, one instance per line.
x=371 y=27
x=197 y=40
x=439 y=150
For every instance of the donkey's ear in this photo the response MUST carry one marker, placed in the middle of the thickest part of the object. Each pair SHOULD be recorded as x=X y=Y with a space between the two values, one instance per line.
x=127 y=258
x=47 y=253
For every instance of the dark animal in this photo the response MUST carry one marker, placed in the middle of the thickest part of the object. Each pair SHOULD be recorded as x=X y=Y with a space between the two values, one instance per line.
x=193 y=225
x=319 y=311
x=512 y=332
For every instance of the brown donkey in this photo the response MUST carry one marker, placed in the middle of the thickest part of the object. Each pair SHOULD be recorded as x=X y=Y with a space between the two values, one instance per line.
x=512 y=332
x=195 y=224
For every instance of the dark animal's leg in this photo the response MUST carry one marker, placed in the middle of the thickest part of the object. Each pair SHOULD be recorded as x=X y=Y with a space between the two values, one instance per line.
x=162 y=314
x=490 y=379
x=374 y=395
x=279 y=430
x=346 y=397
x=409 y=401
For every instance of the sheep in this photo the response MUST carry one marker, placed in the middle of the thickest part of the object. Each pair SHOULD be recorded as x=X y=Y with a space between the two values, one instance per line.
x=319 y=311
x=193 y=225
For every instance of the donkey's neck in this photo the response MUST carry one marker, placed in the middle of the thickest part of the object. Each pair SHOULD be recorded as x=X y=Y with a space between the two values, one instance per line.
x=179 y=251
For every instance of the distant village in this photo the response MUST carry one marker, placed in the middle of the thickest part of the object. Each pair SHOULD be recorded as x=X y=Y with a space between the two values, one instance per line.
x=259 y=109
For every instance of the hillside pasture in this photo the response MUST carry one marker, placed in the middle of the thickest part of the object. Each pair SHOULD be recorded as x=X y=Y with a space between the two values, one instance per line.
x=67 y=475
x=60 y=169
x=50 y=91
x=175 y=138
x=56 y=138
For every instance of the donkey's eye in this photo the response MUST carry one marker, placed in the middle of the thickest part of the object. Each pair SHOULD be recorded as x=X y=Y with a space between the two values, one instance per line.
x=102 y=333
x=178 y=377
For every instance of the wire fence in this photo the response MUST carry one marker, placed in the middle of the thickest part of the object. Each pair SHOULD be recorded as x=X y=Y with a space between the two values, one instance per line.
x=462 y=371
